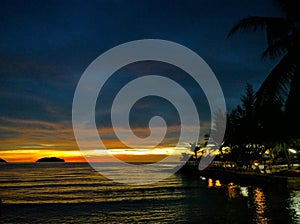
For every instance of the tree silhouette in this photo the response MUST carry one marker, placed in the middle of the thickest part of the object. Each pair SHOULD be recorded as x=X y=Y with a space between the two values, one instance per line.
x=281 y=87
x=243 y=132
x=252 y=130
x=242 y=124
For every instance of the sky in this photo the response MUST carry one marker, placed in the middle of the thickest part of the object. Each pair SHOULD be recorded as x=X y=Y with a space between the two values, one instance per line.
x=45 y=47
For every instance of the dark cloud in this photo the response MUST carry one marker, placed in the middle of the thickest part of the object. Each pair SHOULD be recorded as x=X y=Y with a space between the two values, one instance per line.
x=45 y=46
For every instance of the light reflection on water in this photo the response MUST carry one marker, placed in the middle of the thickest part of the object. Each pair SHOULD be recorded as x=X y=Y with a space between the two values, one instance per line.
x=259 y=204
x=295 y=205
x=213 y=183
x=232 y=190
x=74 y=193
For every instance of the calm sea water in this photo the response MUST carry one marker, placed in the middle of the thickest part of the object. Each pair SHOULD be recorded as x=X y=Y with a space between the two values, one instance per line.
x=75 y=193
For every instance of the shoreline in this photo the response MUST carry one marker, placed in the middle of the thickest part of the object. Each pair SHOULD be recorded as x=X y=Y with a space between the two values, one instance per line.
x=245 y=177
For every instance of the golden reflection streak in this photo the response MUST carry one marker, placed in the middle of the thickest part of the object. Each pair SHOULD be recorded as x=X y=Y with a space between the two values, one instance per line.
x=218 y=183
x=231 y=188
x=260 y=206
x=212 y=183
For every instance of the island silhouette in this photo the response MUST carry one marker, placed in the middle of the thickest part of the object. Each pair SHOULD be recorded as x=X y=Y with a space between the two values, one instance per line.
x=2 y=161
x=50 y=159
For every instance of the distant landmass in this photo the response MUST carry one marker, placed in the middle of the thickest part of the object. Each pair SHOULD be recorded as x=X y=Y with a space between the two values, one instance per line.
x=2 y=161
x=50 y=159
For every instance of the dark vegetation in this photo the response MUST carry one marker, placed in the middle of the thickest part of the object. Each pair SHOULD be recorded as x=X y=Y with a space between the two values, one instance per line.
x=266 y=124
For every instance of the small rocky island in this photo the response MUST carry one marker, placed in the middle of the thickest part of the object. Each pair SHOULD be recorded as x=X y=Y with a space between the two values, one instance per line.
x=2 y=161
x=50 y=159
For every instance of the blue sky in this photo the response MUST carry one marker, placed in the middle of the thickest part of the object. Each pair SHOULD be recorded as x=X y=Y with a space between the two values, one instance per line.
x=45 y=46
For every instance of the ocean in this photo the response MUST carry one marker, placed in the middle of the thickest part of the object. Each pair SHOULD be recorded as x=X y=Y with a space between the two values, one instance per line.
x=75 y=193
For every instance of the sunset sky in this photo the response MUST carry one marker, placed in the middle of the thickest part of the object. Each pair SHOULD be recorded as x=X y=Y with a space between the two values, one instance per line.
x=45 y=46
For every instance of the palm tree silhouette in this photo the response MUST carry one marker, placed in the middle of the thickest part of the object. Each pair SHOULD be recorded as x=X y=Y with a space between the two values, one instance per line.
x=282 y=85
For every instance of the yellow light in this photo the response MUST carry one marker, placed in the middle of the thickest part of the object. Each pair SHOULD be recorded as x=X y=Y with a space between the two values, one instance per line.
x=218 y=183
x=210 y=182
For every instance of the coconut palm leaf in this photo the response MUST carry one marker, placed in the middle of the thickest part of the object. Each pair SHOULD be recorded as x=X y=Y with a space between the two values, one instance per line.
x=280 y=92
x=276 y=25
x=277 y=48
x=276 y=86
x=292 y=109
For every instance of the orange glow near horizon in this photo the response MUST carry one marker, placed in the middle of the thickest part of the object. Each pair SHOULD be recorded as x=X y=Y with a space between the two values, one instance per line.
x=34 y=139
x=75 y=156
x=148 y=158
x=30 y=155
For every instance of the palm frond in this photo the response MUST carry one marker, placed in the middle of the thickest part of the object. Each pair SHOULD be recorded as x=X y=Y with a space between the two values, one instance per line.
x=275 y=50
x=276 y=86
x=278 y=29
x=283 y=43
x=292 y=109
x=254 y=23
x=294 y=94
